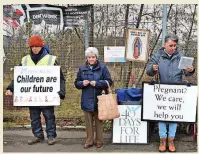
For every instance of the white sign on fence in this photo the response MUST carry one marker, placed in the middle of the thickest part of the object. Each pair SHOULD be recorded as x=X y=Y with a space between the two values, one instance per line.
x=36 y=85
x=129 y=128
x=114 y=54
x=164 y=102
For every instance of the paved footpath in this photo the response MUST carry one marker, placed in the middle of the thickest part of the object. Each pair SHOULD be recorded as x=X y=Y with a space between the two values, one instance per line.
x=15 y=140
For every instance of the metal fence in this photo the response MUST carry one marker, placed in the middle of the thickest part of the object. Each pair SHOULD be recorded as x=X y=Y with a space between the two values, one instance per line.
x=106 y=26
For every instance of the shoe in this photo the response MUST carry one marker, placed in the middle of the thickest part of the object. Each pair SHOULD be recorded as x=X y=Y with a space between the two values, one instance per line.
x=51 y=141
x=162 y=146
x=99 y=145
x=86 y=146
x=171 y=145
x=36 y=140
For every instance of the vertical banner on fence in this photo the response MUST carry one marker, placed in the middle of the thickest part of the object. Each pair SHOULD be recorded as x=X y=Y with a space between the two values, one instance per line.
x=164 y=102
x=129 y=128
x=137 y=45
x=36 y=85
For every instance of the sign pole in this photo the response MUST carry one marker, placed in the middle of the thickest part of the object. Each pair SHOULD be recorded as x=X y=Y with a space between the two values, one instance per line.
x=86 y=38
x=164 y=23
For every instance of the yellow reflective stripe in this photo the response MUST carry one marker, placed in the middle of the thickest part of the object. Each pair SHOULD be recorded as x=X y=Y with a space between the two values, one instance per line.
x=26 y=61
x=50 y=60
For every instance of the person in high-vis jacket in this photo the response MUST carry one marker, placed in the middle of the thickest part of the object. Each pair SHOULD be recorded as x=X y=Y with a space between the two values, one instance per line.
x=40 y=57
x=165 y=63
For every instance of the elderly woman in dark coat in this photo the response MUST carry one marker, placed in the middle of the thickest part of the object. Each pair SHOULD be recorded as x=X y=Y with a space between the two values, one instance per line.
x=91 y=78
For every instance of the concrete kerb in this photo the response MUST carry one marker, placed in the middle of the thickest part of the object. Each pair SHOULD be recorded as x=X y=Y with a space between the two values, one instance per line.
x=108 y=134
x=58 y=127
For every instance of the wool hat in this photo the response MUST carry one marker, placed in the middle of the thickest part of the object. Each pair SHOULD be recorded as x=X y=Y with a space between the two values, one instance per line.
x=36 y=41
x=92 y=50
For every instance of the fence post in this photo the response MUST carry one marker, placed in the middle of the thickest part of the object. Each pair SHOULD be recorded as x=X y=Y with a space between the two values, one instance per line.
x=164 y=23
x=86 y=36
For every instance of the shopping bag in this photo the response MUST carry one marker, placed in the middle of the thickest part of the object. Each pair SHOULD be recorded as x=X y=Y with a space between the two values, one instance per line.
x=107 y=105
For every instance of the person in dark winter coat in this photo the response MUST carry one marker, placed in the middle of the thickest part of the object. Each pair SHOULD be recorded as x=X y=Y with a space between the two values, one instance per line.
x=165 y=62
x=36 y=58
x=91 y=78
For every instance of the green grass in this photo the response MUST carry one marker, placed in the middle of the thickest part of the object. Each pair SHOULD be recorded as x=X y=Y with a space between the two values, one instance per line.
x=15 y=113
x=17 y=117
x=66 y=109
x=69 y=109
x=7 y=125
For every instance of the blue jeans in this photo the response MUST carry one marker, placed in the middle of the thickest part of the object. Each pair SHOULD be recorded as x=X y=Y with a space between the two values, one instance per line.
x=48 y=113
x=163 y=130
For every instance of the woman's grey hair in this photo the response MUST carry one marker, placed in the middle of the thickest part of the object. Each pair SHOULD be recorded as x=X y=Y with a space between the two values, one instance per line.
x=91 y=50
x=171 y=37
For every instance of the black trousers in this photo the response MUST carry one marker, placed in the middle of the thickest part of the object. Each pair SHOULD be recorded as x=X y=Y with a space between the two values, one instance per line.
x=48 y=113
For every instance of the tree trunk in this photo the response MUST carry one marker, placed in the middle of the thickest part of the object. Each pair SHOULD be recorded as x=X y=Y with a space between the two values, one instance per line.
x=123 y=68
x=176 y=20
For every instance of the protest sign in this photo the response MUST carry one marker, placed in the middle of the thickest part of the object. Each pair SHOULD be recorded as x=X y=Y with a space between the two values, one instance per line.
x=165 y=102
x=129 y=128
x=36 y=85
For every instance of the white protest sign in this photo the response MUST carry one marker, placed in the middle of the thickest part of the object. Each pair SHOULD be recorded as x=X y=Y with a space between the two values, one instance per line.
x=36 y=85
x=163 y=102
x=129 y=128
